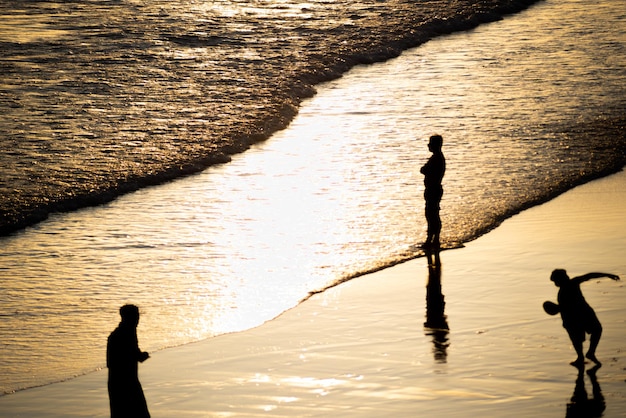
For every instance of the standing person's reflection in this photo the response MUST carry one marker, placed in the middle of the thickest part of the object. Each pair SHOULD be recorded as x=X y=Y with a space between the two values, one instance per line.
x=433 y=172
x=126 y=396
x=580 y=404
x=436 y=323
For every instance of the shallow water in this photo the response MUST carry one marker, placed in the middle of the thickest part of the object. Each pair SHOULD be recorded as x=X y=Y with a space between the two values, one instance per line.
x=502 y=353
x=335 y=194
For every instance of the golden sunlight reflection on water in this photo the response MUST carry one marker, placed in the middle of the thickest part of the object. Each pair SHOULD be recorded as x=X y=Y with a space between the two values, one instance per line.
x=338 y=192
x=27 y=28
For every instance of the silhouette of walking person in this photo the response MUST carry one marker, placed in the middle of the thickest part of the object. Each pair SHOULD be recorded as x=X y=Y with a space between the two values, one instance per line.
x=433 y=172
x=578 y=317
x=126 y=397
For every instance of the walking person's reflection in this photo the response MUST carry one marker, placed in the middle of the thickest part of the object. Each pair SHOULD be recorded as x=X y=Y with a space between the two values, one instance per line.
x=126 y=396
x=436 y=324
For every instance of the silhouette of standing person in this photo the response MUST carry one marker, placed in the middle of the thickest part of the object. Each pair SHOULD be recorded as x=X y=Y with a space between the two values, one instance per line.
x=578 y=317
x=126 y=396
x=433 y=172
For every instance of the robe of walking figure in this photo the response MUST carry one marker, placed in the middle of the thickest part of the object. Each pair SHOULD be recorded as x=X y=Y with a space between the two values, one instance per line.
x=126 y=396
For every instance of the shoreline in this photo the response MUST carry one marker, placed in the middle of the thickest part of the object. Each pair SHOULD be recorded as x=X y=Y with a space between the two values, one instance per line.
x=380 y=196
x=453 y=245
x=360 y=348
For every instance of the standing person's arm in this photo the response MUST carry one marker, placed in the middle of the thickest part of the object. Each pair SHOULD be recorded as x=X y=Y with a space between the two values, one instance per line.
x=141 y=356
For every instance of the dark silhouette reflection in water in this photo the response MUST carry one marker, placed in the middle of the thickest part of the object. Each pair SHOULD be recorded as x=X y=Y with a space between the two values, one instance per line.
x=436 y=324
x=126 y=396
x=581 y=406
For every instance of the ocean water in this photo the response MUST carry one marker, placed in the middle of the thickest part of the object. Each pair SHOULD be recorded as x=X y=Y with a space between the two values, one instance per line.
x=100 y=96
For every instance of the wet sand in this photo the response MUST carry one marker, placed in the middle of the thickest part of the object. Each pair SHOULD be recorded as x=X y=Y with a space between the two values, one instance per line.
x=361 y=349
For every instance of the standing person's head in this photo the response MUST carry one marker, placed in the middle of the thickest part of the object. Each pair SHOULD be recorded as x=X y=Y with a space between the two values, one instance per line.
x=130 y=314
x=559 y=276
x=435 y=143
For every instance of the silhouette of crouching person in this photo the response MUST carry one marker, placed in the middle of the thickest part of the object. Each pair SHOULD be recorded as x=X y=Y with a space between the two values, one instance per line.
x=578 y=317
x=126 y=397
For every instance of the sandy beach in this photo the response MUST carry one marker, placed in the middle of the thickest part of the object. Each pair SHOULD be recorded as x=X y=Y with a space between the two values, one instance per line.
x=361 y=349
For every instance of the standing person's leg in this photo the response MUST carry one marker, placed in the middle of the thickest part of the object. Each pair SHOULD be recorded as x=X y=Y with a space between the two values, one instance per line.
x=433 y=220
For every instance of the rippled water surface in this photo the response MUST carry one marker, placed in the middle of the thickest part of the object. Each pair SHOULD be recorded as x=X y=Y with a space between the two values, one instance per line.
x=527 y=106
x=103 y=97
